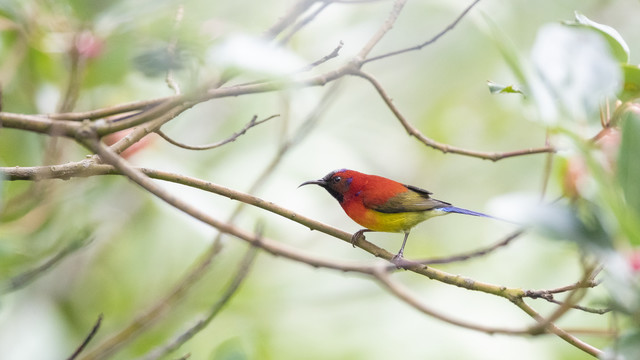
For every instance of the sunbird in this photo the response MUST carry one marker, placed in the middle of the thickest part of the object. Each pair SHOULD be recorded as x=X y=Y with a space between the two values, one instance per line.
x=381 y=204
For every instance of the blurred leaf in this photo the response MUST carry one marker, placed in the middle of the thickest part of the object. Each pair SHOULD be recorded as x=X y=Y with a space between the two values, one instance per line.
x=231 y=349
x=631 y=89
x=157 y=61
x=579 y=222
x=626 y=348
x=495 y=88
x=619 y=47
x=573 y=72
x=622 y=283
x=628 y=164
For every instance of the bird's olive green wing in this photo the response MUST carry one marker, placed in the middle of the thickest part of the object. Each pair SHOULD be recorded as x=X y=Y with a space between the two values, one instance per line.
x=413 y=200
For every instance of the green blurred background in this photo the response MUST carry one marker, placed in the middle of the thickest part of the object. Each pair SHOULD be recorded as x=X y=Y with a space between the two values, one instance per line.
x=139 y=247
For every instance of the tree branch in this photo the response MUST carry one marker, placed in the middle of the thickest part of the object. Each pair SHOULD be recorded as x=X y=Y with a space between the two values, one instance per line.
x=232 y=138
x=428 y=42
x=413 y=131
x=19 y=281
x=92 y=333
x=232 y=288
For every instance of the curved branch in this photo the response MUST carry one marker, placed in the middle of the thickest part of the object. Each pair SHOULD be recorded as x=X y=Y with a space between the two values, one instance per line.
x=232 y=138
x=388 y=24
x=19 y=281
x=232 y=288
x=551 y=327
x=445 y=148
x=87 y=339
x=481 y=252
x=404 y=295
x=428 y=42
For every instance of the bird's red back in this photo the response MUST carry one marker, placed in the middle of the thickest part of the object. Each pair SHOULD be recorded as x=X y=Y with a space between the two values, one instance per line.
x=378 y=189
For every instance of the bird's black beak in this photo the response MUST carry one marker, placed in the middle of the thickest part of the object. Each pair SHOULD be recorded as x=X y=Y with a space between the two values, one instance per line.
x=320 y=182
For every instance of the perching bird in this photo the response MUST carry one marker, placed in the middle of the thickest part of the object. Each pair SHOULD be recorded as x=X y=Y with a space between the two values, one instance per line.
x=381 y=204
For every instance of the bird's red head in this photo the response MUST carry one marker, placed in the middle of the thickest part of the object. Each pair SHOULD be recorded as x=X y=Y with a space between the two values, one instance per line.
x=337 y=182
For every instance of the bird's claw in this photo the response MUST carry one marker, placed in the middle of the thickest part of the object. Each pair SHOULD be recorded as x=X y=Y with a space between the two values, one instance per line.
x=356 y=236
x=399 y=261
x=397 y=258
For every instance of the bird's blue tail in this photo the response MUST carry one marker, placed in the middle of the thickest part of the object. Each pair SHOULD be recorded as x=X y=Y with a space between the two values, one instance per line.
x=457 y=210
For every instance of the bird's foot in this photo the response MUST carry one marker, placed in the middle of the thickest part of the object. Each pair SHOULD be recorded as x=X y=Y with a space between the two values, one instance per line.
x=397 y=258
x=399 y=261
x=356 y=236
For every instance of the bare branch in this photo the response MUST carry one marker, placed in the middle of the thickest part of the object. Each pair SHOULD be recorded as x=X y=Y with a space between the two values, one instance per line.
x=388 y=24
x=324 y=59
x=232 y=138
x=171 y=49
x=92 y=333
x=302 y=23
x=70 y=97
x=241 y=273
x=19 y=281
x=296 y=10
x=428 y=42
x=402 y=293
x=413 y=131
x=588 y=281
x=551 y=327
x=109 y=111
x=477 y=253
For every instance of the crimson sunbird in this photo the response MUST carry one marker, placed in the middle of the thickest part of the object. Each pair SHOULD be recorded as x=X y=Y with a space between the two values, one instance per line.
x=381 y=204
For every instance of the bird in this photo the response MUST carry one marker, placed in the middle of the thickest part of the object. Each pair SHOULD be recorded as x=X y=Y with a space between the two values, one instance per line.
x=384 y=205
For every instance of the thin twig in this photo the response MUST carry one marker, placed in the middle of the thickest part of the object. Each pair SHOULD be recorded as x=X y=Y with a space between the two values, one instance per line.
x=108 y=111
x=232 y=288
x=445 y=148
x=574 y=296
x=324 y=59
x=473 y=254
x=388 y=24
x=428 y=42
x=289 y=18
x=402 y=293
x=87 y=339
x=74 y=81
x=302 y=23
x=587 y=282
x=551 y=327
x=579 y=307
x=232 y=138
x=171 y=50
x=19 y=281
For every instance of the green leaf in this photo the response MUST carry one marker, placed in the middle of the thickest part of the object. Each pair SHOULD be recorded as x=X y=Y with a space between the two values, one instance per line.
x=496 y=88
x=619 y=48
x=631 y=89
x=628 y=164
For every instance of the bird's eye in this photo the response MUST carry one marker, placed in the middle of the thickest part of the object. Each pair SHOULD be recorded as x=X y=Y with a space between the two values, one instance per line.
x=337 y=179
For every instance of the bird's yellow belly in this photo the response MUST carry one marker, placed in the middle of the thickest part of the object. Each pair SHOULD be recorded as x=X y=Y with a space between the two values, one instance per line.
x=394 y=222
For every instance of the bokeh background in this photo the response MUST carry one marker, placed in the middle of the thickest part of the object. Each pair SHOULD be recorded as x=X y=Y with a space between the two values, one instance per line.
x=135 y=247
